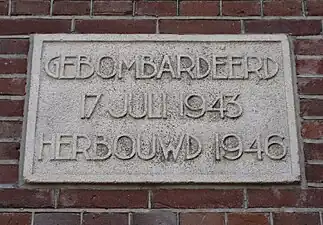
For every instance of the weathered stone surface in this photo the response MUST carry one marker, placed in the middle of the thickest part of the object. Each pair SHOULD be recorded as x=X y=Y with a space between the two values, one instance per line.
x=161 y=108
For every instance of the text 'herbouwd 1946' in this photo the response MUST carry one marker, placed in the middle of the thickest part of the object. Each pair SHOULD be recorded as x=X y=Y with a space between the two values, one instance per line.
x=192 y=105
x=160 y=108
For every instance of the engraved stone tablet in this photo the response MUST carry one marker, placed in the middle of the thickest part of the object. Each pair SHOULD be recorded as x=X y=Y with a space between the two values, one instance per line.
x=160 y=108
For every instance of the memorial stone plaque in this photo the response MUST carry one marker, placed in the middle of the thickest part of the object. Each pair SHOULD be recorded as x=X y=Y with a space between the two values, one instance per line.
x=160 y=108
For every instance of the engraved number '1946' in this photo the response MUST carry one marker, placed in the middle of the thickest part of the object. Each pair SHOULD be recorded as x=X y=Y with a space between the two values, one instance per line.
x=230 y=147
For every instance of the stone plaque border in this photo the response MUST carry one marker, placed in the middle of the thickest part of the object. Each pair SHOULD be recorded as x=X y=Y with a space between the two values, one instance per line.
x=31 y=107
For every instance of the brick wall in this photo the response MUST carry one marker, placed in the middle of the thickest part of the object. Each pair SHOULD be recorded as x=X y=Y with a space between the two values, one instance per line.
x=292 y=204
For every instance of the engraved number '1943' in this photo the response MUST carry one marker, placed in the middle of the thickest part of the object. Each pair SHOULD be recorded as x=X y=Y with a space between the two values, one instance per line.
x=195 y=106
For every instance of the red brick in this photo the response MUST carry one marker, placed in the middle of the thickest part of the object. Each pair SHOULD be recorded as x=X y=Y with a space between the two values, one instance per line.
x=8 y=174
x=282 y=7
x=103 y=198
x=199 y=27
x=312 y=129
x=241 y=8
x=314 y=173
x=130 y=26
x=314 y=7
x=112 y=7
x=26 y=198
x=308 y=47
x=293 y=197
x=199 y=8
x=310 y=86
x=202 y=218
x=313 y=151
x=14 y=46
x=156 y=8
x=201 y=198
x=3 y=7
x=105 y=219
x=10 y=129
x=28 y=26
x=296 y=218
x=309 y=66
x=15 y=218
x=154 y=218
x=12 y=65
x=9 y=150
x=11 y=107
x=57 y=219
x=311 y=107
x=248 y=218
x=294 y=27
x=37 y=7
x=12 y=86
x=71 y=7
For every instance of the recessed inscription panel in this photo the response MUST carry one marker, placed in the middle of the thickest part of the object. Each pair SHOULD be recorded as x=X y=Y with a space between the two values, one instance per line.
x=146 y=108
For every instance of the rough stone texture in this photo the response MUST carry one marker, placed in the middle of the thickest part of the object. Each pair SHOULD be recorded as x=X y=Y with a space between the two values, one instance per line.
x=302 y=205
x=190 y=116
